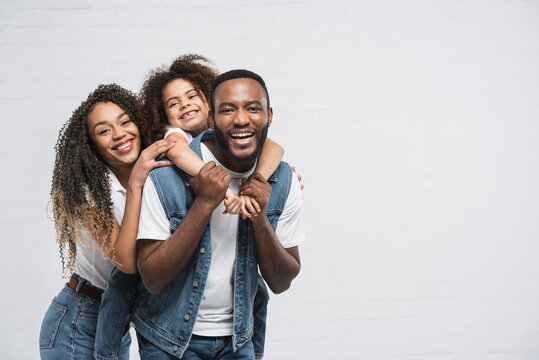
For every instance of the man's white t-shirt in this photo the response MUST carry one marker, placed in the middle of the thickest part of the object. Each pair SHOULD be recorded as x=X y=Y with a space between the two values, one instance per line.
x=215 y=314
x=89 y=263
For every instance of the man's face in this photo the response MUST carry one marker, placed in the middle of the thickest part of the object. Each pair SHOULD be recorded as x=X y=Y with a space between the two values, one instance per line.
x=241 y=119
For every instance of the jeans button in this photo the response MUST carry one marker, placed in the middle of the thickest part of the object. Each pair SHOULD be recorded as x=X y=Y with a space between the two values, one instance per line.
x=186 y=316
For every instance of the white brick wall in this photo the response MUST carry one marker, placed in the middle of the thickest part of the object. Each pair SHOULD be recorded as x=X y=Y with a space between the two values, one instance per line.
x=414 y=124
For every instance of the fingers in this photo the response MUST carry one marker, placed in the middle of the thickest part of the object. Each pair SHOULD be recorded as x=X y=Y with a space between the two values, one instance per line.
x=255 y=205
x=299 y=177
x=248 y=205
x=161 y=163
x=235 y=206
x=159 y=147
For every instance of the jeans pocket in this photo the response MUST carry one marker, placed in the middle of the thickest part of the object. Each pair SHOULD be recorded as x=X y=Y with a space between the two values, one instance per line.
x=51 y=323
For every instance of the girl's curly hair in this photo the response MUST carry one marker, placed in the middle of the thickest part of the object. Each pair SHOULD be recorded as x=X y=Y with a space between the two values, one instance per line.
x=80 y=192
x=192 y=67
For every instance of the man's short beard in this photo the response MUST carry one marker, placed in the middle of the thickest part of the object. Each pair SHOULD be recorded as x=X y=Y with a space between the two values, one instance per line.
x=250 y=157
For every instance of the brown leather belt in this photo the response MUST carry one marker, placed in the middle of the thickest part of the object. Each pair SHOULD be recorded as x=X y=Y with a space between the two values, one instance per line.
x=85 y=289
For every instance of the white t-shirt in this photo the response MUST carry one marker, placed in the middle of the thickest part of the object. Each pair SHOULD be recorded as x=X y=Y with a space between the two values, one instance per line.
x=172 y=129
x=215 y=314
x=89 y=263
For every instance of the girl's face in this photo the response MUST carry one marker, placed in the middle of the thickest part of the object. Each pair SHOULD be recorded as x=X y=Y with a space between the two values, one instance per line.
x=114 y=134
x=185 y=107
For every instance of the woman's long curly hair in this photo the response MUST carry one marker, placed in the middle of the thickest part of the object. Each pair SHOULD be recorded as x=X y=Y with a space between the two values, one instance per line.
x=80 y=193
x=195 y=68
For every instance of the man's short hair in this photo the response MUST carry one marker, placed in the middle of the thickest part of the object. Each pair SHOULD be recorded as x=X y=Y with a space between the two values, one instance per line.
x=236 y=74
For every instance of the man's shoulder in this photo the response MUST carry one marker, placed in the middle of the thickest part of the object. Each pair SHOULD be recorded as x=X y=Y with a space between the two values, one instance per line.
x=280 y=182
x=282 y=173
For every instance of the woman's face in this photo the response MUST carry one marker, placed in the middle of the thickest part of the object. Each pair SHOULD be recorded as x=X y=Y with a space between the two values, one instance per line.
x=185 y=107
x=114 y=134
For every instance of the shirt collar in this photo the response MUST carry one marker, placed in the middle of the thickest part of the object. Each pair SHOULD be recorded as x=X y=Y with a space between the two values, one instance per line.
x=115 y=183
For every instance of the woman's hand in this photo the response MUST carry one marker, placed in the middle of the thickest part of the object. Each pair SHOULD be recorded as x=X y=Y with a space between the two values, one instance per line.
x=146 y=161
x=299 y=177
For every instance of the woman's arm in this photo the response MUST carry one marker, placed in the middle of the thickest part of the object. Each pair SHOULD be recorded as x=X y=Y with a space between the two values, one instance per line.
x=125 y=236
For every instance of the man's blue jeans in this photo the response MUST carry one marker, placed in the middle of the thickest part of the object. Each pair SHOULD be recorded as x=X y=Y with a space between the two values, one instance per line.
x=200 y=347
x=68 y=328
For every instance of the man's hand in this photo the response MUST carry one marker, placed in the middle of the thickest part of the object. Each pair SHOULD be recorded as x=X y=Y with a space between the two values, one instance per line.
x=259 y=189
x=210 y=185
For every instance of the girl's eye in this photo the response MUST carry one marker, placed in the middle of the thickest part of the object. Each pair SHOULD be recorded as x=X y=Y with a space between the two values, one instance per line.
x=172 y=104
x=102 y=132
x=193 y=96
x=126 y=122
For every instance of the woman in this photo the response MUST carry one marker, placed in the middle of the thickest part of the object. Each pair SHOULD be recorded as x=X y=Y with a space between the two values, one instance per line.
x=96 y=186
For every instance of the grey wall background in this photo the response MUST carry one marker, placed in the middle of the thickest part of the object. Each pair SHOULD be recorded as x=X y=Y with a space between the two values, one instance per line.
x=414 y=124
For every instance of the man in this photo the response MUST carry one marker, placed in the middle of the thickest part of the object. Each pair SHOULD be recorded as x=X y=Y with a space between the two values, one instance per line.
x=201 y=281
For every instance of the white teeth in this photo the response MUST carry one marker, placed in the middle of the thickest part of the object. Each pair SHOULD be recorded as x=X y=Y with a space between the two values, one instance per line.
x=124 y=146
x=188 y=115
x=242 y=135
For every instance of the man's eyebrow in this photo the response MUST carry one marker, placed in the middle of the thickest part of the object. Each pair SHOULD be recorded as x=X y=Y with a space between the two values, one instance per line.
x=223 y=104
x=257 y=102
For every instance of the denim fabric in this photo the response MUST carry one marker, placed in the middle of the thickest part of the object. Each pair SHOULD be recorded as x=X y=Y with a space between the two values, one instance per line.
x=68 y=328
x=200 y=347
x=260 y=309
x=115 y=314
x=167 y=319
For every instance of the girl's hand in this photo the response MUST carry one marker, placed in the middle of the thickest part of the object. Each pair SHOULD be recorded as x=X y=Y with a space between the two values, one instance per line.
x=232 y=203
x=249 y=207
x=146 y=161
x=299 y=177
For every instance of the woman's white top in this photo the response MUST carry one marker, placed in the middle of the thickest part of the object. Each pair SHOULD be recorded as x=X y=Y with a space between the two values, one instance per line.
x=89 y=263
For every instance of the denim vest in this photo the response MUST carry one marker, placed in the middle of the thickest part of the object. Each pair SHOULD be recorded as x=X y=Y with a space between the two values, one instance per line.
x=167 y=319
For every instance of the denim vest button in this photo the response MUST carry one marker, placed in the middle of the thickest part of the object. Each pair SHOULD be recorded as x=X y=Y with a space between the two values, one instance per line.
x=175 y=348
x=202 y=250
x=195 y=283
x=186 y=317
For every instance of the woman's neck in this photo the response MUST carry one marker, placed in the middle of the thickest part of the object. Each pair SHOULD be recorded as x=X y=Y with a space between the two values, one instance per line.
x=122 y=173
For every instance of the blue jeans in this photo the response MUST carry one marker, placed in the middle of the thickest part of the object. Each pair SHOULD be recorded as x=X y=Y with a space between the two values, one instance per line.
x=115 y=314
x=200 y=347
x=68 y=328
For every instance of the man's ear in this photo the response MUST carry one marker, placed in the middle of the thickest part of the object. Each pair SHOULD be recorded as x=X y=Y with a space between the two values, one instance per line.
x=211 y=120
x=270 y=115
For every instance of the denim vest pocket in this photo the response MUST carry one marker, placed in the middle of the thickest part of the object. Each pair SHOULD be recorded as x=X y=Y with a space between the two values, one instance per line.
x=50 y=325
x=155 y=303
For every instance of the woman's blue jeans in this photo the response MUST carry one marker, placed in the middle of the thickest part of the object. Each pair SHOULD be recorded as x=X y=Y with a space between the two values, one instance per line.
x=68 y=328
